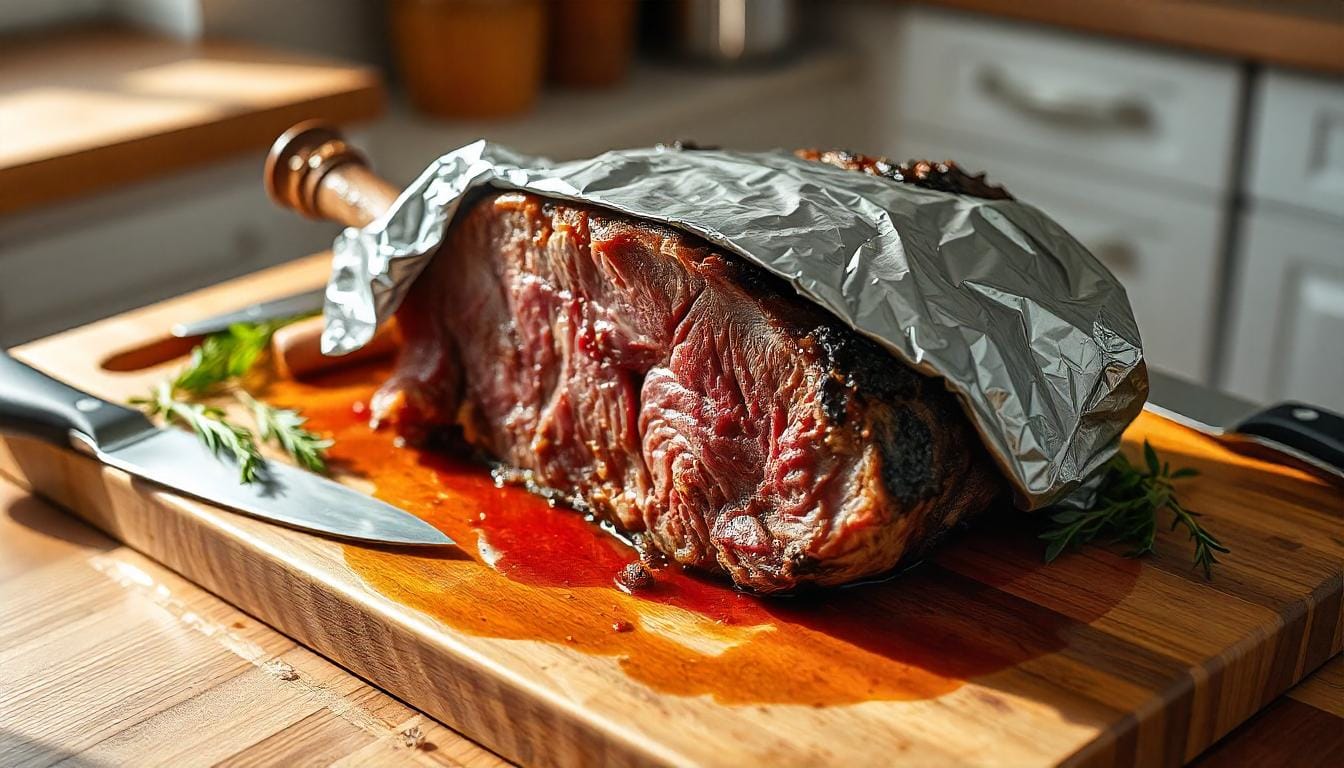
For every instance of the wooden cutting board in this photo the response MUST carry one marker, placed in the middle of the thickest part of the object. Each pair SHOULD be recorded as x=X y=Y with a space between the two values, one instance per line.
x=520 y=640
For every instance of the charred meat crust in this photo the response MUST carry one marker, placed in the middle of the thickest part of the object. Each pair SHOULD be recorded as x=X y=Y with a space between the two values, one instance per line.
x=946 y=176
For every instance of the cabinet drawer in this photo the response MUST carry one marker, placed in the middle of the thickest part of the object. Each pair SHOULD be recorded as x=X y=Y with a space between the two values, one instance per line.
x=1287 y=319
x=1164 y=248
x=1128 y=110
x=1297 y=142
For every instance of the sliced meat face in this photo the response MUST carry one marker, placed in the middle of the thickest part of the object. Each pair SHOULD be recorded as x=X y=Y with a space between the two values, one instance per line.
x=680 y=392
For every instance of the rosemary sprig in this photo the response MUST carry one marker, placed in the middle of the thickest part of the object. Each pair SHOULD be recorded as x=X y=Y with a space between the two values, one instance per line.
x=218 y=434
x=222 y=357
x=1126 y=508
x=215 y=367
x=285 y=428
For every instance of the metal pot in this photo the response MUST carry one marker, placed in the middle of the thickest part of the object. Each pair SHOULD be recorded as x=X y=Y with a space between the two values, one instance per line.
x=731 y=31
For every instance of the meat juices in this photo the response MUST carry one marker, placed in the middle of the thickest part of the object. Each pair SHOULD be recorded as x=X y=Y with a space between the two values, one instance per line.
x=683 y=393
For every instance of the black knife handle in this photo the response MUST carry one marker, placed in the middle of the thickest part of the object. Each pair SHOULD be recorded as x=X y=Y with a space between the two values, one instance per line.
x=36 y=405
x=1307 y=429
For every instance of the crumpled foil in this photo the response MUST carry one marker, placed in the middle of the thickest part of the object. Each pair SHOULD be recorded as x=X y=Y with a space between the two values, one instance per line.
x=1033 y=334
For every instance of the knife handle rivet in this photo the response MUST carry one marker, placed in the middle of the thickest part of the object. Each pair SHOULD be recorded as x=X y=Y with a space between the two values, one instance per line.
x=87 y=405
x=1305 y=414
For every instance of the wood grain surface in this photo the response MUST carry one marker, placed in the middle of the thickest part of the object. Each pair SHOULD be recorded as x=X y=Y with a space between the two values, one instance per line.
x=90 y=109
x=1304 y=34
x=1140 y=663
x=1303 y=728
x=66 y=571
x=111 y=659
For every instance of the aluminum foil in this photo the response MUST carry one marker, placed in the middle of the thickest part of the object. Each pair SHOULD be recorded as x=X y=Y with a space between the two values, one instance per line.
x=1033 y=334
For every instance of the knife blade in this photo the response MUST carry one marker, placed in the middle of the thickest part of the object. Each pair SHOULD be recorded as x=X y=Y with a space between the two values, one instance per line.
x=36 y=405
x=293 y=305
x=1307 y=433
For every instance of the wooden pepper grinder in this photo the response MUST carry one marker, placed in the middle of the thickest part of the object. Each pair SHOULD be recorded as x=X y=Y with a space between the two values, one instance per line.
x=313 y=170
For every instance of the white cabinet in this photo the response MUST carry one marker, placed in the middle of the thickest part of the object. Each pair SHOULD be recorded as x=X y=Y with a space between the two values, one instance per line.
x=1166 y=248
x=1286 y=320
x=1287 y=339
x=1297 y=142
x=1128 y=111
x=1130 y=148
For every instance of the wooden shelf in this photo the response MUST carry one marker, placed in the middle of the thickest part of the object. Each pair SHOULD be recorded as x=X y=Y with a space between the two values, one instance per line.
x=1303 y=34
x=90 y=109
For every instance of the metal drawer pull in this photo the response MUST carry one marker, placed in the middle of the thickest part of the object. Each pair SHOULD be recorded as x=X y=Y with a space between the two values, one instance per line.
x=1056 y=105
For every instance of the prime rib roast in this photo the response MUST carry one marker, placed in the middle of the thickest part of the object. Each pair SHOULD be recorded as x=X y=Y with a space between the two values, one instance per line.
x=691 y=399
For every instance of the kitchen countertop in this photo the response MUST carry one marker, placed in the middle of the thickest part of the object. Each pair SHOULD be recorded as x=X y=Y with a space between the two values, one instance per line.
x=112 y=657
x=93 y=109
x=656 y=102
x=1302 y=34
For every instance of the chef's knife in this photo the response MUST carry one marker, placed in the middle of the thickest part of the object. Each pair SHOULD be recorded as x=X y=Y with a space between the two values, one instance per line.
x=185 y=335
x=36 y=405
x=1307 y=433
x=294 y=305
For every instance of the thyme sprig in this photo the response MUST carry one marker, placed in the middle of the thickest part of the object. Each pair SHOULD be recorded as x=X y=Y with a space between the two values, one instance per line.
x=224 y=357
x=284 y=427
x=221 y=436
x=1126 y=510
x=214 y=369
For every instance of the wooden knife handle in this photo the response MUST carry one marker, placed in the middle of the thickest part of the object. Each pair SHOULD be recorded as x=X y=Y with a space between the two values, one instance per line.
x=297 y=348
x=313 y=170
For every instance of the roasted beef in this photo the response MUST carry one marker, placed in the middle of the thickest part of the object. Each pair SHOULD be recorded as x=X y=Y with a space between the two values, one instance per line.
x=684 y=395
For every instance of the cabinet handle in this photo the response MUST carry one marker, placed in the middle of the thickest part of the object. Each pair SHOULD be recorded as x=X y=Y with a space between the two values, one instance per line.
x=1080 y=110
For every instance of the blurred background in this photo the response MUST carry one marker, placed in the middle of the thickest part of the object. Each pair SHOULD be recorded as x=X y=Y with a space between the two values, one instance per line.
x=1197 y=147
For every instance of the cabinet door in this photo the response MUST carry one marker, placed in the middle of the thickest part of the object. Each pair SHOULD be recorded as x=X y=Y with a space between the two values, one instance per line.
x=1287 y=340
x=1297 y=141
x=1164 y=246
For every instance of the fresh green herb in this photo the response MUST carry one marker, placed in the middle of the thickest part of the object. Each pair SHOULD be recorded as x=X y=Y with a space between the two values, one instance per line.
x=214 y=369
x=1126 y=508
x=285 y=428
x=221 y=436
x=223 y=357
